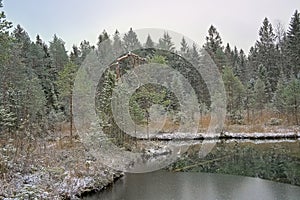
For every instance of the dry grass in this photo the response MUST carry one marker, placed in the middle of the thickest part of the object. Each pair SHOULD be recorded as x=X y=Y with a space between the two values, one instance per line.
x=258 y=121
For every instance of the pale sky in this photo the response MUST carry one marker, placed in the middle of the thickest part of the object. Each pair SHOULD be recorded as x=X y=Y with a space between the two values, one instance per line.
x=237 y=21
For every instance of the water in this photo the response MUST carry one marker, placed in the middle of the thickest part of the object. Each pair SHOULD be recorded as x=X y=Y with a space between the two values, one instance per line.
x=254 y=171
x=162 y=185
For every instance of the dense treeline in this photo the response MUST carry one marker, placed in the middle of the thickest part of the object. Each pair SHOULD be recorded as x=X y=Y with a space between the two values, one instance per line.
x=36 y=77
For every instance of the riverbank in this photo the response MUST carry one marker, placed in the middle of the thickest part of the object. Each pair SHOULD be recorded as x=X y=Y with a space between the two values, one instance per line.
x=56 y=168
x=234 y=132
x=55 y=171
x=224 y=135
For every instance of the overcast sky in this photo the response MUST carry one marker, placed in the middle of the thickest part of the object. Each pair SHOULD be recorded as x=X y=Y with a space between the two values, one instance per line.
x=237 y=21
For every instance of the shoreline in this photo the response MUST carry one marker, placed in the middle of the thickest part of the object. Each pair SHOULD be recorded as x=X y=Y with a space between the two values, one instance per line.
x=53 y=173
x=225 y=136
x=71 y=172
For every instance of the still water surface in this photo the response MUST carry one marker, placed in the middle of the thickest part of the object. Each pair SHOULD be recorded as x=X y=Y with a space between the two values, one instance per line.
x=232 y=170
x=162 y=185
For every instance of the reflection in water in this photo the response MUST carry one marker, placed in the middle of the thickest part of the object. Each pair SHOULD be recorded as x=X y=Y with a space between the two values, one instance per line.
x=278 y=162
x=162 y=185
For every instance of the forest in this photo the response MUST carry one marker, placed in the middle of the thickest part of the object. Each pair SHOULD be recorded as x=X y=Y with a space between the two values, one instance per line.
x=262 y=85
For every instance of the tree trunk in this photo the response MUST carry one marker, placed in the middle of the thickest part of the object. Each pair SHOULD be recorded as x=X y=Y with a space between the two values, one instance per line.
x=71 y=118
x=296 y=112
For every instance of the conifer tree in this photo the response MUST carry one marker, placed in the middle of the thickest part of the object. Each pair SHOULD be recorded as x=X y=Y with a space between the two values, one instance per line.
x=213 y=46
x=235 y=93
x=213 y=41
x=259 y=95
x=266 y=53
x=149 y=42
x=117 y=45
x=131 y=41
x=184 y=48
x=293 y=44
x=58 y=54
x=65 y=84
x=166 y=43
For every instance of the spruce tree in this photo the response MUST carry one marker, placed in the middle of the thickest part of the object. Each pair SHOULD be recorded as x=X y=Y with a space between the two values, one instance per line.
x=213 y=41
x=235 y=93
x=259 y=95
x=293 y=44
x=213 y=46
x=149 y=42
x=292 y=93
x=85 y=48
x=266 y=53
x=131 y=41
x=75 y=55
x=117 y=45
x=279 y=97
x=166 y=43
x=65 y=84
x=58 y=54
x=104 y=47
x=193 y=55
x=244 y=71
x=184 y=48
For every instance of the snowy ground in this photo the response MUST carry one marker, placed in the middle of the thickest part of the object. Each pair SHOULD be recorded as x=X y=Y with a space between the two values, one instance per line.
x=54 y=174
x=195 y=136
x=60 y=173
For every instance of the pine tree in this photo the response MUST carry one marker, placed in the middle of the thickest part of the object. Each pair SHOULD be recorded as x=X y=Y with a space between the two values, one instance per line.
x=259 y=95
x=131 y=41
x=235 y=93
x=117 y=45
x=244 y=71
x=214 y=47
x=23 y=39
x=65 y=84
x=282 y=50
x=41 y=63
x=292 y=93
x=58 y=54
x=213 y=41
x=58 y=59
x=249 y=101
x=4 y=35
x=293 y=44
x=166 y=43
x=102 y=37
x=75 y=55
x=253 y=62
x=104 y=47
x=228 y=53
x=236 y=62
x=85 y=48
x=184 y=49
x=279 y=97
x=193 y=55
x=33 y=101
x=25 y=97
x=149 y=42
x=5 y=55
x=105 y=96
x=266 y=53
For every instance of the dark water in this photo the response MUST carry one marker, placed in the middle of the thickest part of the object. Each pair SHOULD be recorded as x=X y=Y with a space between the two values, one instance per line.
x=164 y=185
x=271 y=160
x=232 y=170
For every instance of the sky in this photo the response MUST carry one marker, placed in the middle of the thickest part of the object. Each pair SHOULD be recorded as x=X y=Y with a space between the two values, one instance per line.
x=237 y=21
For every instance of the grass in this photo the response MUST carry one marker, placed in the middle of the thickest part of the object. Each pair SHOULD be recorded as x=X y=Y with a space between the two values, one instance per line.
x=265 y=121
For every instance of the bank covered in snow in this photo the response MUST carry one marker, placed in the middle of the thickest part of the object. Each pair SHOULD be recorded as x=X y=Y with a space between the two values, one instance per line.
x=225 y=135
